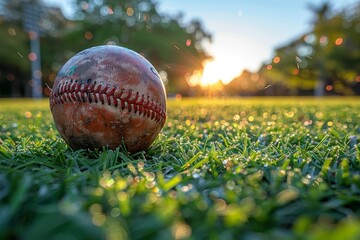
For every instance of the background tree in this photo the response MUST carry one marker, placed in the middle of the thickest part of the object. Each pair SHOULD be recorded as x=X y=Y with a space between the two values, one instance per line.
x=14 y=61
x=323 y=61
x=173 y=46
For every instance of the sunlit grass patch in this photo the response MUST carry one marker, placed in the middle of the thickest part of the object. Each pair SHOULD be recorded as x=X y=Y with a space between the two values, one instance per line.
x=225 y=168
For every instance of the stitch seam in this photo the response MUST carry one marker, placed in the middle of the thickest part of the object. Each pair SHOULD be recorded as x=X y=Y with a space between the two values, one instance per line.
x=73 y=91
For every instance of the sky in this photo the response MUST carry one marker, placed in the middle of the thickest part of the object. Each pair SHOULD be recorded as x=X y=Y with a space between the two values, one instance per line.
x=245 y=32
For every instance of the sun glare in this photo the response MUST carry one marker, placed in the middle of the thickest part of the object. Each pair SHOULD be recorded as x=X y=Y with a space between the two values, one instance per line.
x=228 y=61
x=211 y=74
x=218 y=70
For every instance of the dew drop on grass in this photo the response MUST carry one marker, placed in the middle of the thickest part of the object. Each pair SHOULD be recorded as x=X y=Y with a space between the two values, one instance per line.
x=110 y=182
x=185 y=188
x=122 y=196
x=115 y=212
x=308 y=122
x=27 y=114
x=150 y=184
x=230 y=185
x=151 y=198
x=196 y=175
x=236 y=117
x=319 y=115
x=305 y=181
x=95 y=208
x=289 y=114
x=141 y=165
x=156 y=190
x=181 y=231
x=150 y=176
x=99 y=219
x=220 y=205
x=99 y=191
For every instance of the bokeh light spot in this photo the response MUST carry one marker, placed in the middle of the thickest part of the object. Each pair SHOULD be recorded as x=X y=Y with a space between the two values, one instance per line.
x=178 y=97
x=32 y=56
x=276 y=59
x=130 y=11
x=329 y=87
x=37 y=74
x=323 y=41
x=188 y=42
x=28 y=114
x=339 y=41
x=357 y=79
x=88 y=35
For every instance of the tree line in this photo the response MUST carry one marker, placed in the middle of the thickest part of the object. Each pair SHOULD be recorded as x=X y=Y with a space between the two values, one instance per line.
x=323 y=61
x=173 y=46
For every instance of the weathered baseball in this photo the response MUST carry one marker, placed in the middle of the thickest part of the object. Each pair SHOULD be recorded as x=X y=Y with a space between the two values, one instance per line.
x=107 y=96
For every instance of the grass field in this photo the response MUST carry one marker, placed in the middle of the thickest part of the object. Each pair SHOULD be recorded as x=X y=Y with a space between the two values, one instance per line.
x=261 y=168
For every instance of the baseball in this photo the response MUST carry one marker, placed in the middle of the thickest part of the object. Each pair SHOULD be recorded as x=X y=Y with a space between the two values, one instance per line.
x=107 y=96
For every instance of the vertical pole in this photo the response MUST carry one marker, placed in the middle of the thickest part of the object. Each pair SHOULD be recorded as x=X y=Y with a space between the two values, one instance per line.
x=36 y=83
x=319 y=88
x=320 y=82
x=32 y=18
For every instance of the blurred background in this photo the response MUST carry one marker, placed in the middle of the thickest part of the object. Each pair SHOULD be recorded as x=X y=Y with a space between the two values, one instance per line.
x=200 y=48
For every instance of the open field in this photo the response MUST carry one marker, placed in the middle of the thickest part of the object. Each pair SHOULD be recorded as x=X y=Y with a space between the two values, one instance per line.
x=262 y=168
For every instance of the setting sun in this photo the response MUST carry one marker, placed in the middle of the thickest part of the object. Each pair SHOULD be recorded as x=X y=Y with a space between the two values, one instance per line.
x=212 y=73
x=215 y=71
x=220 y=70
x=228 y=62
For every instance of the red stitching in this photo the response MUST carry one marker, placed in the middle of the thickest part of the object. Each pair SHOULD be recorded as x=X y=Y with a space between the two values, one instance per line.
x=94 y=93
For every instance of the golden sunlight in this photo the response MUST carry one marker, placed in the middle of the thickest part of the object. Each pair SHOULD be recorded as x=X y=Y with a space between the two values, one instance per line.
x=212 y=73
x=227 y=64
x=218 y=70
